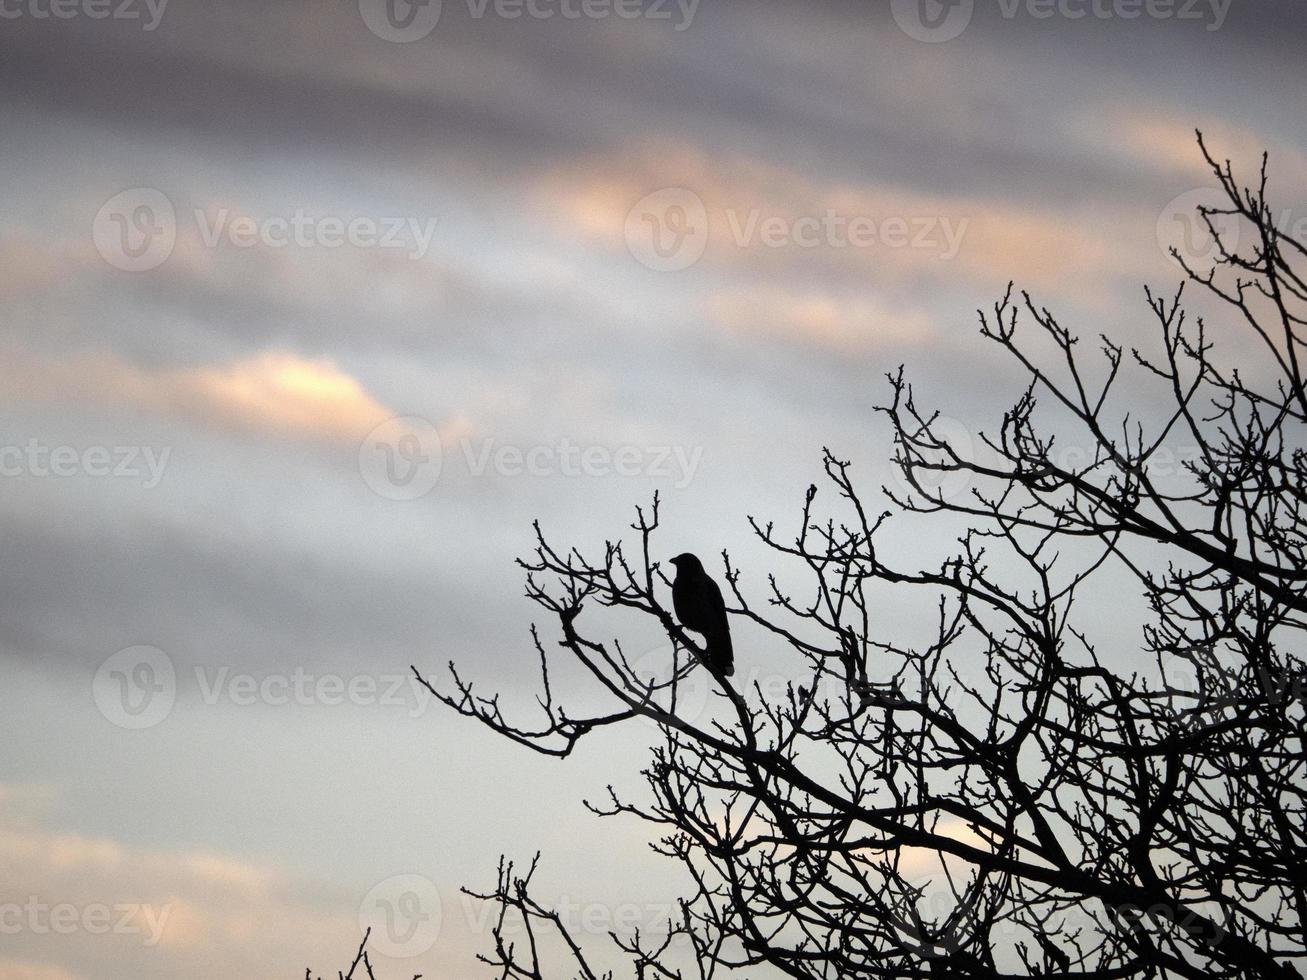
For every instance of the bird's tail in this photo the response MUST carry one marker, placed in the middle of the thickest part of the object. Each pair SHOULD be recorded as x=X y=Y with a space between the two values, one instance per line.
x=721 y=656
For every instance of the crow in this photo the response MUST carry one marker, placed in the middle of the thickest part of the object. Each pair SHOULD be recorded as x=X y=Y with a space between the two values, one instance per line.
x=699 y=606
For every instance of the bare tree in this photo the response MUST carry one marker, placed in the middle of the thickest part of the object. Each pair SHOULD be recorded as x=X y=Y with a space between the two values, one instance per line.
x=997 y=796
x=360 y=968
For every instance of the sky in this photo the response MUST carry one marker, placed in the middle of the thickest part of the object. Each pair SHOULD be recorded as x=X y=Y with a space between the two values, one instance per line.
x=309 y=309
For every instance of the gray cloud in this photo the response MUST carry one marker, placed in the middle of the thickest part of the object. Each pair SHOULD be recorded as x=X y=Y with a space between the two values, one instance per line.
x=527 y=325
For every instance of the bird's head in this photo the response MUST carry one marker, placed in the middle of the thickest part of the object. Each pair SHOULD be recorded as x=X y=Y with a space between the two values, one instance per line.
x=687 y=563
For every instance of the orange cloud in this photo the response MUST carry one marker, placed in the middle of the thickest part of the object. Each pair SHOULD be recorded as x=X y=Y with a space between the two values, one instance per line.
x=279 y=391
x=275 y=392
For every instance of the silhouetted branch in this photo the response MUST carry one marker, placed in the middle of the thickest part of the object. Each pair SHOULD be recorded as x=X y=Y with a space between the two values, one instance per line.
x=987 y=796
x=360 y=960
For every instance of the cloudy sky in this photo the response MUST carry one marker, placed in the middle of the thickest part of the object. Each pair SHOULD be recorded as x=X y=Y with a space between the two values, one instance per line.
x=308 y=309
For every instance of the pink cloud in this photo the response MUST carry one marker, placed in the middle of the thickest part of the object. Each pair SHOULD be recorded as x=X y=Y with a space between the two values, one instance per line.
x=919 y=238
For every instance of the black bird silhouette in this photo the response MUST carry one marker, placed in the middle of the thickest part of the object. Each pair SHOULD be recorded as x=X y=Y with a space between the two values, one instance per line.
x=699 y=606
